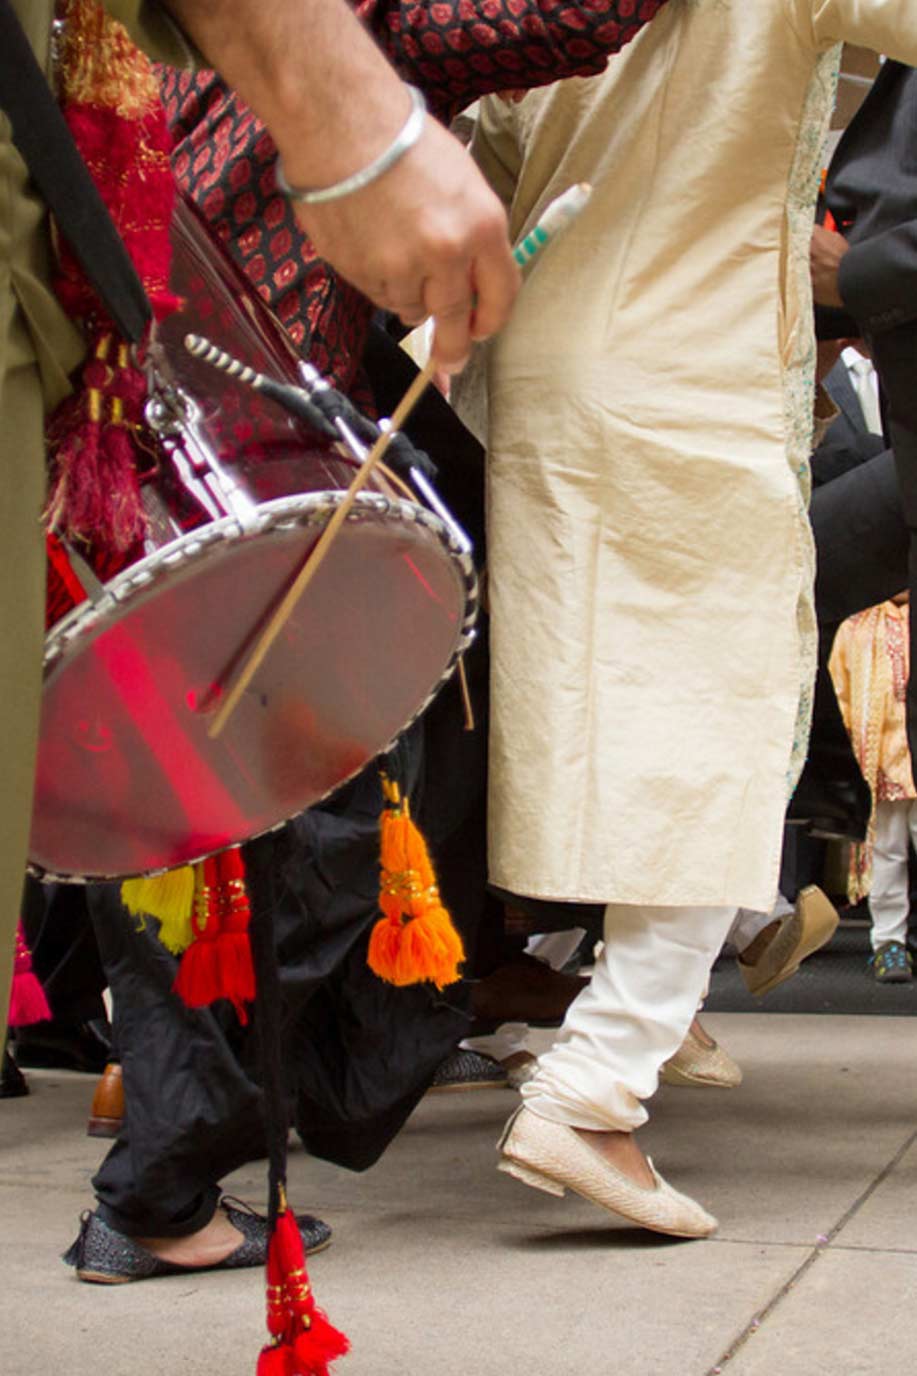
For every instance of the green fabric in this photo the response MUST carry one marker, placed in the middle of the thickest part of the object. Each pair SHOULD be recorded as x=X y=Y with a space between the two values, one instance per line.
x=155 y=32
x=22 y=566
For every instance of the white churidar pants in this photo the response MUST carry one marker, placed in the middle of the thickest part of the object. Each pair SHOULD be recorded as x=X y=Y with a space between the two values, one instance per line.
x=889 y=897
x=632 y=1017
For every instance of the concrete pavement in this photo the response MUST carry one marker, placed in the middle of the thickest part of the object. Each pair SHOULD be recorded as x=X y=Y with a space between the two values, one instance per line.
x=441 y=1265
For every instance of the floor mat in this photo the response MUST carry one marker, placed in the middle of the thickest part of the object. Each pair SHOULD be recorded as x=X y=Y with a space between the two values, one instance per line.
x=836 y=979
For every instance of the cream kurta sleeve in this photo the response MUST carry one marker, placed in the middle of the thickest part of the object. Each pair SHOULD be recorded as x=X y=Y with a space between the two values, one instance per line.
x=495 y=148
x=885 y=26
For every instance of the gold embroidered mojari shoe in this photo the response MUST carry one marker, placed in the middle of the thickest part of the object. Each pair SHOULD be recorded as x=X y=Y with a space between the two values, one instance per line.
x=552 y=1157
x=800 y=934
x=700 y=1064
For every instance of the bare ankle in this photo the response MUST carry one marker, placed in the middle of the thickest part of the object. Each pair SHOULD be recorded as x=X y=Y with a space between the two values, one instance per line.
x=701 y=1033
x=620 y=1150
x=210 y=1245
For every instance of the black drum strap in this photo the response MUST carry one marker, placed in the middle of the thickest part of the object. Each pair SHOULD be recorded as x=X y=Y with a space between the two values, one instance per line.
x=41 y=134
x=261 y=863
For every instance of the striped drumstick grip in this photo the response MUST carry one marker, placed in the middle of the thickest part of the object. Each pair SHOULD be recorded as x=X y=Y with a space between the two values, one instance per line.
x=202 y=348
x=292 y=399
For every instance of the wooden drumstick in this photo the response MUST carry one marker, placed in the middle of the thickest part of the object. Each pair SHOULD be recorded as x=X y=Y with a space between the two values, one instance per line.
x=287 y=605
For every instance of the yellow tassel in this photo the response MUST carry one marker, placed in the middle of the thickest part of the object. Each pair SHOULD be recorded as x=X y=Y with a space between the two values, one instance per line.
x=415 y=939
x=168 y=897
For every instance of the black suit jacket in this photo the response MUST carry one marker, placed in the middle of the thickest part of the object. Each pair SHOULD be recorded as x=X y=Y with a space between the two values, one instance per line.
x=847 y=442
x=872 y=194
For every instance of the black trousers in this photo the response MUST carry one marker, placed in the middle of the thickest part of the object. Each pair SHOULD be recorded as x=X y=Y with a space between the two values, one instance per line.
x=192 y=1113
x=904 y=440
x=65 y=957
x=357 y=1053
x=861 y=540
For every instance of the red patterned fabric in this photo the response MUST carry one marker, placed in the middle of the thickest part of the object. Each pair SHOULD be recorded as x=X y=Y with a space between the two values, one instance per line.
x=224 y=160
x=455 y=51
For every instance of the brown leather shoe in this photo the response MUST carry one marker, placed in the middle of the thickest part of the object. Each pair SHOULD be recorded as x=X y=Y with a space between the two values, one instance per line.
x=107 y=1112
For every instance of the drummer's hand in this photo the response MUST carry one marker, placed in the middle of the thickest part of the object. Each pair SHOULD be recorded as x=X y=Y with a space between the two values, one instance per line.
x=825 y=254
x=428 y=237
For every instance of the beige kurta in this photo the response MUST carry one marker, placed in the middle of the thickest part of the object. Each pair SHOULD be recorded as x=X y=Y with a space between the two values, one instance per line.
x=650 y=423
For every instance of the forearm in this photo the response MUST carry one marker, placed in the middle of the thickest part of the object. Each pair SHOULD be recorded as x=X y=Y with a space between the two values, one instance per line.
x=426 y=237
x=305 y=69
x=457 y=50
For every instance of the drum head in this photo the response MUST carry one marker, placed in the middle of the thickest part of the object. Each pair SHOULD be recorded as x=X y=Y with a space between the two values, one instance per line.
x=128 y=780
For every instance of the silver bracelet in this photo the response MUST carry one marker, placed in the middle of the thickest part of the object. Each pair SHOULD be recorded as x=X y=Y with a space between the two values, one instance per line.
x=405 y=139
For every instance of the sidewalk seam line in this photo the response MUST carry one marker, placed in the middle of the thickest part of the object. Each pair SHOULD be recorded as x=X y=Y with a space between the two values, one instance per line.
x=818 y=1251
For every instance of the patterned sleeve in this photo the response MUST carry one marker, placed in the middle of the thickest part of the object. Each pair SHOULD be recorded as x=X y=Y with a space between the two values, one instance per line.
x=457 y=50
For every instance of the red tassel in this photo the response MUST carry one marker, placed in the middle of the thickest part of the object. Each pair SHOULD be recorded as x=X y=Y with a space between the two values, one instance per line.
x=109 y=95
x=218 y=963
x=95 y=492
x=317 y=1346
x=304 y=1342
x=27 y=998
x=275 y=1361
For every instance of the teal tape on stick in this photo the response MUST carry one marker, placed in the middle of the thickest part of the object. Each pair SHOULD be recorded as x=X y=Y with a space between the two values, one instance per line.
x=560 y=213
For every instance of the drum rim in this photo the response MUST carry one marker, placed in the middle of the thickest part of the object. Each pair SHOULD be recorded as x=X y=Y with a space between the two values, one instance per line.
x=312 y=508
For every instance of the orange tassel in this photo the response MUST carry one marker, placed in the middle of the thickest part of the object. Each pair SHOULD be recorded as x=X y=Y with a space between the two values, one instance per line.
x=218 y=963
x=303 y=1342
x=415 y=939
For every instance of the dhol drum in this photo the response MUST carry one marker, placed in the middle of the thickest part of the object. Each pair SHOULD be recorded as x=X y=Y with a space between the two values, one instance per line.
x=128 y=780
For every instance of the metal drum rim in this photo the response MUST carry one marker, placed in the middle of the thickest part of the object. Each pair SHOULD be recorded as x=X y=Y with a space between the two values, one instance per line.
x=302 y=508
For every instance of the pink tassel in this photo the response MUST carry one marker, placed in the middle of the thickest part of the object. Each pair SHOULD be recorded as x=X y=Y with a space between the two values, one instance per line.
x=27 y=998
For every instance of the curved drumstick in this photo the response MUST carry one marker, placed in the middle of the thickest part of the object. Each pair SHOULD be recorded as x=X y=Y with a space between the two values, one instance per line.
x=314 y=558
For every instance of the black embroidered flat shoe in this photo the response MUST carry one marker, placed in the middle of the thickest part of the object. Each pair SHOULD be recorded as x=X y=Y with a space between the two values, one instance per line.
x=468 y=1070
x=13 y=1084
x=107 y=1257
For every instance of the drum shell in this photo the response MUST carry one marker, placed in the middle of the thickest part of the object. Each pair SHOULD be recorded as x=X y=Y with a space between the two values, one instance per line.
x=128 y=778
